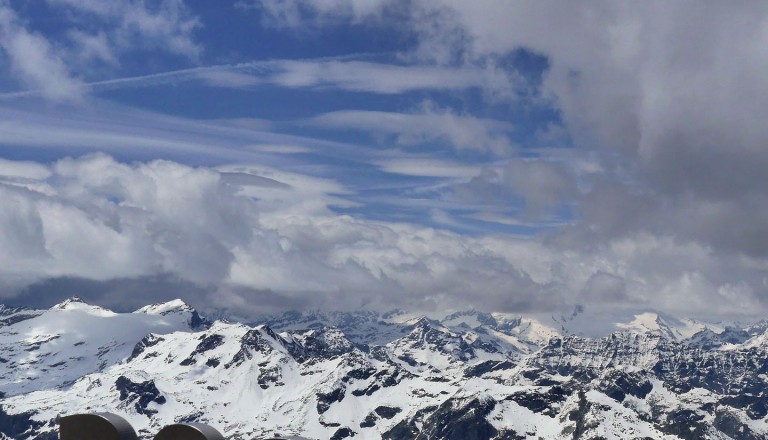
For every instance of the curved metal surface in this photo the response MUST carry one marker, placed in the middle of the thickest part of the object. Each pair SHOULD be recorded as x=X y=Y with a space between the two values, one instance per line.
x=96 y=426
x=189 y=431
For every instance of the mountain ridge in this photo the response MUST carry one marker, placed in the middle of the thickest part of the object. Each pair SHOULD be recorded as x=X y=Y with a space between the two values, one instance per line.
x=369 y=375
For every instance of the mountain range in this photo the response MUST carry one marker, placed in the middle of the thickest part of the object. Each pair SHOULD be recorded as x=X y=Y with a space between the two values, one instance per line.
x=370 y=375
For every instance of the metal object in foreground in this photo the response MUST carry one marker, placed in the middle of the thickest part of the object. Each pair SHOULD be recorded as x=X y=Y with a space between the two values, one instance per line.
x=108 y=426
x=96 y=426
x=188 y=431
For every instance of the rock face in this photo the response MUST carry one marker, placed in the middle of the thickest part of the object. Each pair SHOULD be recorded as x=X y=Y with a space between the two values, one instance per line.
x=364 y=375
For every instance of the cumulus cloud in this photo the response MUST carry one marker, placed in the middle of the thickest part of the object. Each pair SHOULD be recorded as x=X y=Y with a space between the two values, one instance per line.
x=254 y=237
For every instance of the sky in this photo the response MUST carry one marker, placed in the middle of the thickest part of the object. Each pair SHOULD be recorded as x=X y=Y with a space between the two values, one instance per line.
x=428 y=155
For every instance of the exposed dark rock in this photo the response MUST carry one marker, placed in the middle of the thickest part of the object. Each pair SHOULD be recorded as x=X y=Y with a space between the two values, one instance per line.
x=197 y=322
x=188 y=361
x=369 y=421
x=547 y=403
x=18 y=425
x=252 y=341
x=756 y=406
x=359 y=374
x=325 y=400
x=269 y=376
x=325 y=343
x=409 y=428
x=460 y=420
x=408 y=359
x=189 y=418
x=343 y=433
x=618 y=384
x=684 y=423
x=146 y=342
x=207 y=343
x=139 y=393
x=367 y=391
x=579 y=416
x=387 y=412
x=478 y=370
x=730 y=425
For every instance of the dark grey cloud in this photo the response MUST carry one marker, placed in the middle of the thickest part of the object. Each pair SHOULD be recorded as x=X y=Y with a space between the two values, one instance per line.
x=668 y=97
x=119 y=294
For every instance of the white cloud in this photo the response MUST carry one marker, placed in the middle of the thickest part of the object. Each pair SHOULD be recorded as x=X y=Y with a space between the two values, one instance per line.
x=168 y=25
x=428 y=168
x=24 y=170
x=463 y=132
x=381 y=78
x=93 y=47
x=275 y=232
x=665 y=102
x=101 y=126
x=324 y=75
x=670 y=96
x=54 y=69
x=293 y=13
x=34 y=60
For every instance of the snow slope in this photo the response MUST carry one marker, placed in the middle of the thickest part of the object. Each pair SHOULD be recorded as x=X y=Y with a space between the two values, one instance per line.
x=469 y=375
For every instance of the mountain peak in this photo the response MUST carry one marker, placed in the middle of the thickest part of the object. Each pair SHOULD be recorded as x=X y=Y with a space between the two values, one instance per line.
x=77 y=303
x=176 y=307
x=668 y=327
x=68 y=302
x=172 y=306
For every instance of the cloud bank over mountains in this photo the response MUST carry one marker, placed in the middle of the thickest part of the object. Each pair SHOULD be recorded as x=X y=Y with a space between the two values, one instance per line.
x=256 y=237
x=508 y=156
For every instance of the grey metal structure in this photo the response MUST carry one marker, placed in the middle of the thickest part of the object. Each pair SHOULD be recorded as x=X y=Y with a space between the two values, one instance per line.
x=96 y=426
x=188 y=431
x=108 y=426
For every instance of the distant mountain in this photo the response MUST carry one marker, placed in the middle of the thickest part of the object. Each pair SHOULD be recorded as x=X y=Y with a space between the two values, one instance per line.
x=334 y=375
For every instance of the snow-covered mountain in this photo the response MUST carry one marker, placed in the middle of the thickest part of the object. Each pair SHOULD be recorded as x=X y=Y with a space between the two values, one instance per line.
x=334 y=375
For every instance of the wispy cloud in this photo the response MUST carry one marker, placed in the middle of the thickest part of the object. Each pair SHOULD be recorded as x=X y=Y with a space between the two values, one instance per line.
x=463 y=132
x=55 y=68
x=297 y=13
x=34 y=60
x=131 y=24
x=363 y=76
x=102 y=126
x=428 y=168
x=320 y=74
